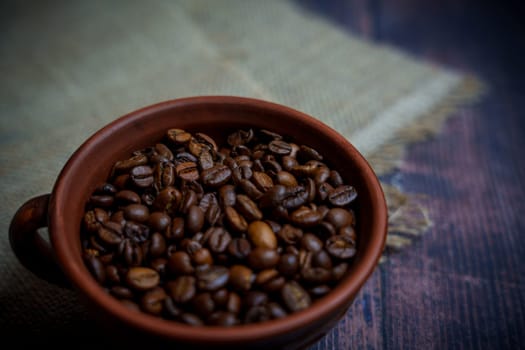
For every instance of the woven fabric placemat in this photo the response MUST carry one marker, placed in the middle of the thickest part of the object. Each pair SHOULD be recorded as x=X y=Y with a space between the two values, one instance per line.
x=70 y=67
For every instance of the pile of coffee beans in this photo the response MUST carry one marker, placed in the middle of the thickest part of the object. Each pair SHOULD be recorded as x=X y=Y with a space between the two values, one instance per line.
x=208 y=234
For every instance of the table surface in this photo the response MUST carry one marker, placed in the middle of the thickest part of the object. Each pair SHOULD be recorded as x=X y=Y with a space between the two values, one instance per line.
x=462 y=284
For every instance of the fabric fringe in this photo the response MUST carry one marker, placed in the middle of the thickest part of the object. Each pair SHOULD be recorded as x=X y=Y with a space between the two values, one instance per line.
x=408 y=218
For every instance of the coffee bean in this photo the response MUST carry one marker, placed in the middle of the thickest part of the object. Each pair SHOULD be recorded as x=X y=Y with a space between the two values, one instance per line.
x=142 y=176
x=213 y=278
x=136 y=212
x=295 y=297
x=203 y=304
x=216 y=176
x=241 y=277
x=159 y=221
x=218 y=239
x=142 y=278
x=234 y=220
x=342 y=247
x=179 y=263
x=248 y=208
x=288 y=264
x=182 y=289
x=194 y=219
x=261 y=235
x=239 y=248
x=187 y=171
x=153 y=301
x=178 y=136
x=342 y=195
x=262 y=258
x=280 y=147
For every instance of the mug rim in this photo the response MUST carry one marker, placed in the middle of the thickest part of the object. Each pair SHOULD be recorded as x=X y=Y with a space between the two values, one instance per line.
x=341 y=295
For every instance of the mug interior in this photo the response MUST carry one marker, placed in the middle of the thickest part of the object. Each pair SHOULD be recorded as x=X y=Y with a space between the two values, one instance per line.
x=216 y=116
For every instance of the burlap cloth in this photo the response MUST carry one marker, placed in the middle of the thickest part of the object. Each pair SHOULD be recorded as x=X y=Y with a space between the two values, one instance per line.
x=70 y=67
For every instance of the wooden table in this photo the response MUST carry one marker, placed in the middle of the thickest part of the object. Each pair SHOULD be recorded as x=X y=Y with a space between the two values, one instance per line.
x=461 y=285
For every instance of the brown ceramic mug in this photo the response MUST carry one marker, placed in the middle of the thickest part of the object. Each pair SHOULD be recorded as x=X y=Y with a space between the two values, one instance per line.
x=62 y=210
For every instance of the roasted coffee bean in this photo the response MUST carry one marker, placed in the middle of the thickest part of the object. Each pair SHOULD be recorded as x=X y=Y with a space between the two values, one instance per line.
x=239 y=248
x=290 y=234
x=288 y=264
x=153 y=301
x=227 y=195
x=223 y=319
x=307 y=153
x=212 y=278
x=286 y=178
x=187 y=171
x=295 y=297
x=131 y=252
x=125 y=197
x=142 y=278
x=270 y=280
x=234 y=220
x=168 y=200
x=128 y=164
x=159 y=265
x=248 y=208
x=203 y=304
x=182 y=289
x=342 y=247
x=202 y=256
x=241 y=277
x=316 y=275
x=262 y=235
x=159 y=221
x=122 y=292
x=262 y=181
x=342 y=195
x=112 y=274
x=262 y=258
x=103 y=200
x=194 y=219
x=240 y=137
x=320 y=290
x=136 y=232
x=191 y=319
x=178 y=136
x=218 y=239
x=179 y=263
x=216 y=176
x=339 y=271
x=322 y=259
x=280 y=147
x=136 y=212
x=142 y=176
x=110 y=236
x=176 y=230
x=203 y=233
x=305 y=217
x=311 y=243
x=96 y=268
x=158 y=245
x=250 y=189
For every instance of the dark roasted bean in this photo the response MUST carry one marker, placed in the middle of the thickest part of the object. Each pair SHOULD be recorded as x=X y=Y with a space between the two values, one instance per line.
x=182 y=289
x=142 y=278
x=342 y=195
x=295 y=297
x=342 y=247
x=213 y=278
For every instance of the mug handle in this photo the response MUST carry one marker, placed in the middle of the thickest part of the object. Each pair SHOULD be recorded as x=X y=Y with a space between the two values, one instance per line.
x=33 y=251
